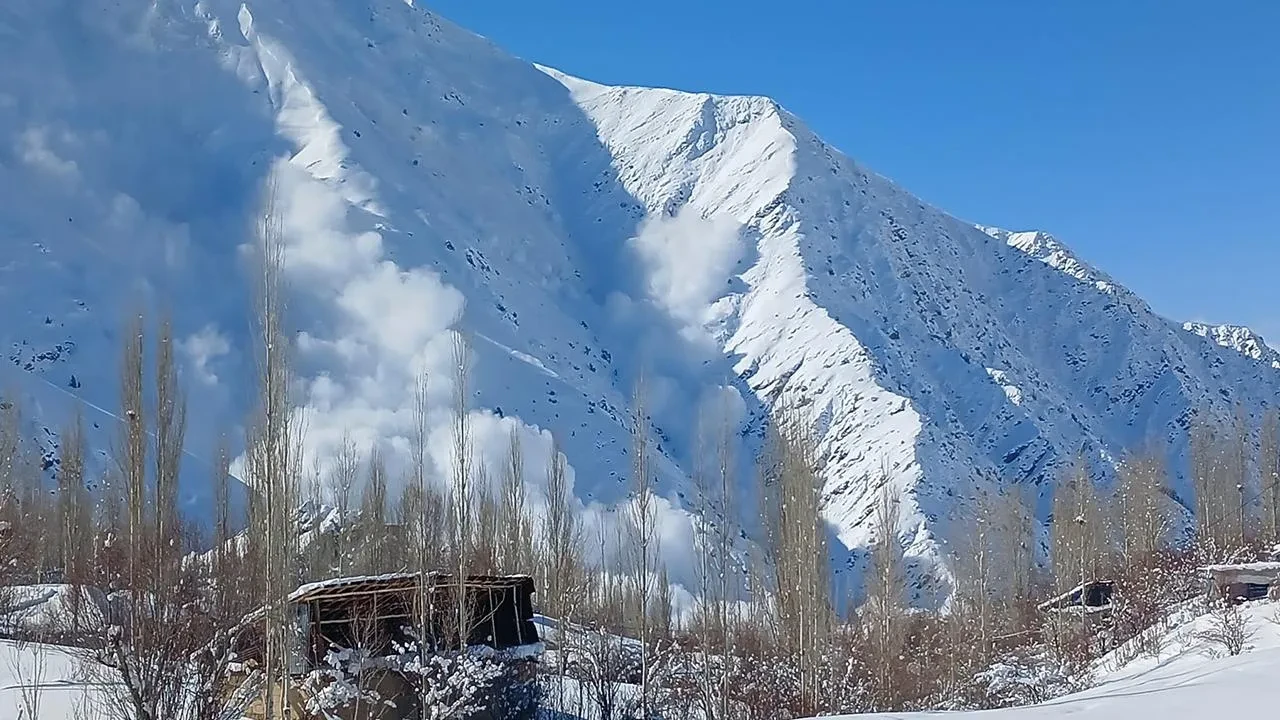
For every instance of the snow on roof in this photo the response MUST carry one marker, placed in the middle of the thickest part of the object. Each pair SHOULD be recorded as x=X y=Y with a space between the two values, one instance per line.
x=395 y=581
x=1262 y=573
x=1261 y=566
x=1052 y=602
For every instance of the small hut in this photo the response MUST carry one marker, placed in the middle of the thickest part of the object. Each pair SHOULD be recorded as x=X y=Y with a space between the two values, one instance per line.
x=379 y=614
x=1242 y=582
x=1087 y=605
x=1092 y=597
x=355 y=611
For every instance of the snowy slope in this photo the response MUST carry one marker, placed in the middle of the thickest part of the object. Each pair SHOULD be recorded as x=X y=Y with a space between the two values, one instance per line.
x=578 y=232
x=1192 y=679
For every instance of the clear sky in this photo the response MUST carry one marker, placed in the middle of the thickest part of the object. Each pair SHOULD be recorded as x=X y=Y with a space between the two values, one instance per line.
x=1143 y=133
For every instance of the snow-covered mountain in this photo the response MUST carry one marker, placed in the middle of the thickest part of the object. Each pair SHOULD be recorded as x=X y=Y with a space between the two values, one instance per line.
x=1238 y=338
x=429 y=181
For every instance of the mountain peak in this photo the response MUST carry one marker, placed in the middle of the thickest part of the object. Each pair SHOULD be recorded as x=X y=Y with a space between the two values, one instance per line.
x=1236 y=337
x=1048 y=250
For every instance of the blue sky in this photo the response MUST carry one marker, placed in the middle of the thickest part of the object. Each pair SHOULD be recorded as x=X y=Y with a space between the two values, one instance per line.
x=1142 y=133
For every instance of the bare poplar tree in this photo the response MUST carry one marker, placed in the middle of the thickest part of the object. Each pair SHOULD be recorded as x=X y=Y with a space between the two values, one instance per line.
x=375 y=553
x=560 y=539
x=797 y=547
x=976 y=567
x=484 y=543
x=513 y=518
x=663 y=608
x=560 y=559
x=73 y=504
x=1079 y=543
x=461 y=461
x=226 y=561
x=1145 y=521
x=169 y=435
x=884 y=611
x=642 y=538
x=1213 y=480
x=274 y=446
x=11 y=542
x=170 y=621
x=131 y=454
x=342 y=485
x=1235 y=520
x=1269 y=473
x=10 y=441
x=717 y=528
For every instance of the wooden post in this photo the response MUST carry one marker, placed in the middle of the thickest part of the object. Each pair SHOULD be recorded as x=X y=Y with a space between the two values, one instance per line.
x=493 y=619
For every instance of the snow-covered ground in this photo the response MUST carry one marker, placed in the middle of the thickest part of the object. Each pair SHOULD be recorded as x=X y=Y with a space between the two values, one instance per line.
x=429 y=181
x=1192 y=679
x=53 y=677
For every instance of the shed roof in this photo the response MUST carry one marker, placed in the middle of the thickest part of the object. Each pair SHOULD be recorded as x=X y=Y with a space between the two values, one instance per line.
x=1061 y=601
x=1255 y=572
x=399 y=582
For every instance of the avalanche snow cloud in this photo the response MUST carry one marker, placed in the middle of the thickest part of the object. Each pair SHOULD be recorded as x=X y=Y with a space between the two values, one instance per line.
x=429 y=183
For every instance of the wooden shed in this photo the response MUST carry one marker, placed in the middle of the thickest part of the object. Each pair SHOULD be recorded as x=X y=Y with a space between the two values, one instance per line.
x=1242 y=582
x=378 y=613
x=373 y=612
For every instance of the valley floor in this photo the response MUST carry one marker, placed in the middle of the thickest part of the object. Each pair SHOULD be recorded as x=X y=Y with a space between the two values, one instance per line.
x=1192 y=679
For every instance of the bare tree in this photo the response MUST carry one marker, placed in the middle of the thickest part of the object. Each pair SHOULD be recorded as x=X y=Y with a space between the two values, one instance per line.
x=75 y=519
x=341 y=485
x=274 y=447
x=484 y=543
x=169 y=434
x=976 y=569
x=1215 y=474
x=1078 y=531
x=73 y=502
x=642 y=537
x=1269 y=473
x=513 y=518
x=1237 y=463
x=462 y=471
x=559 y=547
x=884 y=612
x=131 y=454
x=374 y=550
x=1145 y=521
x=223 y=528
x=561 y=535
x=717 y=528
x=797 y=548
x=169 y=654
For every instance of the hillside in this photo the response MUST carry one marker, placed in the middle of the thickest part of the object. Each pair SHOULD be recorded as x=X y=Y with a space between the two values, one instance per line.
x=1192 y=678
x=429 y=181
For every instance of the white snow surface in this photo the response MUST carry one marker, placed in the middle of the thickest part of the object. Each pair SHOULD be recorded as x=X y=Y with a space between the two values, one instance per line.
x=54 y=677
x=35 y=608
x=430 y=182
x=1191 y=679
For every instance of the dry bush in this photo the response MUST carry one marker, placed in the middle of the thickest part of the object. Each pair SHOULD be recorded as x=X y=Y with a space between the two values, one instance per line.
x=1229 y=628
